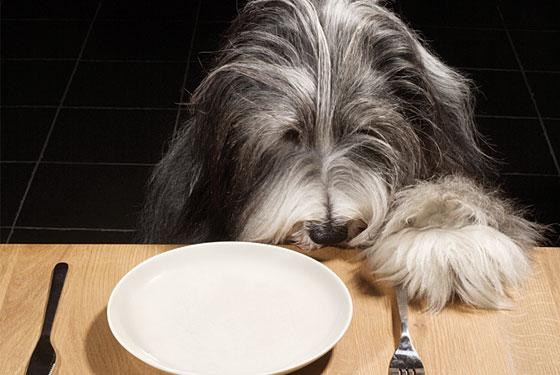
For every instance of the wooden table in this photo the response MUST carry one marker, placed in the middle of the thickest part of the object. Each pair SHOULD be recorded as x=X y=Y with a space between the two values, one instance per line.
x=524 y=340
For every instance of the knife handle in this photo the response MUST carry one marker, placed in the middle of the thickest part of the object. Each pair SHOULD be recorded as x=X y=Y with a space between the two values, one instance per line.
x=57 y=283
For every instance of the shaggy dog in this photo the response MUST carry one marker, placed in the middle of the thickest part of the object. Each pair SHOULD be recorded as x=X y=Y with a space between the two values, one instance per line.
x=327 y=122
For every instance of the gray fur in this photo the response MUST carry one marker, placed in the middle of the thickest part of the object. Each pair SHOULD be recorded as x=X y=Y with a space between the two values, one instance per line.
x=319 y=113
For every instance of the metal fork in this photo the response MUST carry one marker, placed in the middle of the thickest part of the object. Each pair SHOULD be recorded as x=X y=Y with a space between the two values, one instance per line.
x=43 y=358
x=405 y=360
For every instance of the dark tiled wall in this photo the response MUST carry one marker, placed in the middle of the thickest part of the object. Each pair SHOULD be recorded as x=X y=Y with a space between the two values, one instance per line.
x=90 y=92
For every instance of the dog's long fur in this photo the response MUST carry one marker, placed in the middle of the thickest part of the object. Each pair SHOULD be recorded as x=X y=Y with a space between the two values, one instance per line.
x=332 y=112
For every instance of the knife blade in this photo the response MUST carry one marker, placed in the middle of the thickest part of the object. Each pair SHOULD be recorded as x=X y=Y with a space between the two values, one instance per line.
x=43 y=358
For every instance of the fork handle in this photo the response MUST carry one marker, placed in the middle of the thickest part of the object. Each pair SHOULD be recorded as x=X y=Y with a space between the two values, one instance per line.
x=402 y=304
x=57 y=283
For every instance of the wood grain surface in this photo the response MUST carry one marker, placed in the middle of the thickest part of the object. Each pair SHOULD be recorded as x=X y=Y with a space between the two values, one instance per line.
x=459 y=340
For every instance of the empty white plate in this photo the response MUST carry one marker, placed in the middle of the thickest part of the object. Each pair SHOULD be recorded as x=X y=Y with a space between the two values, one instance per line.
x=229 y=308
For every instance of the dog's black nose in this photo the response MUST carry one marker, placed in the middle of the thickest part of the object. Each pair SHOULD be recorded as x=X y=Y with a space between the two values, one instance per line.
x=327 y=234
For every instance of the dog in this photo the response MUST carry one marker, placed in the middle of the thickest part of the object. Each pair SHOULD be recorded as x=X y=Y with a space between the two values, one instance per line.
x=330 y=123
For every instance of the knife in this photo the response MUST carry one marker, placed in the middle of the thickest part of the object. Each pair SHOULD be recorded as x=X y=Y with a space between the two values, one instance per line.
x=44 y=357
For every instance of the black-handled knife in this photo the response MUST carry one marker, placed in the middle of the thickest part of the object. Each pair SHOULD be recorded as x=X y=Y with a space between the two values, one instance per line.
x=44 y=357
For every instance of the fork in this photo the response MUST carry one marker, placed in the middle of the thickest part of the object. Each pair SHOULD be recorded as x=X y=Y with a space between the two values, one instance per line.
x=405 y=360
x=43 y=358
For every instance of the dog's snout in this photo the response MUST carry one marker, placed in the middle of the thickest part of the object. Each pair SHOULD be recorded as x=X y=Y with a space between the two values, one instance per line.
x=328 y=234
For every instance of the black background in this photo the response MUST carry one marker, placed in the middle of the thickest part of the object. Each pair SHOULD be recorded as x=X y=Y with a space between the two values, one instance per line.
x=90 y=93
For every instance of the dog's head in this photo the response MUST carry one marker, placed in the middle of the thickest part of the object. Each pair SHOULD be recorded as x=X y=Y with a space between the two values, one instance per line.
x=311 y=118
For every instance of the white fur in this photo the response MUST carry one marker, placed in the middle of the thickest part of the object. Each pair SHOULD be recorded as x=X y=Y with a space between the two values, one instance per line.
x=351 y=194
x=289 y=202
x=444 y=238
x=475 y=262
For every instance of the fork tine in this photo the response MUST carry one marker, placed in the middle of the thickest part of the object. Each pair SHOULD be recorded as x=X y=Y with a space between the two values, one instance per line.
x=405 y=360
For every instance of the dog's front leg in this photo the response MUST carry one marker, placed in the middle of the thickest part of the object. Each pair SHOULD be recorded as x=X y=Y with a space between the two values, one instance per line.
x=448 y=238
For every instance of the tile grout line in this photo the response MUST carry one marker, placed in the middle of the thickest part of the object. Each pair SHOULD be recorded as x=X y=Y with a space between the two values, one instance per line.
x=55 y=117
x=24 y=19
x=89 y=163
x=65 y=59
x=482 y=28
x=62 y=229
x=109 y=108
x=545 y=71
x=510 y=117
x=528 y=86
x=109 y=19
x=185 y=76
x=528 y=174
x=478 y=69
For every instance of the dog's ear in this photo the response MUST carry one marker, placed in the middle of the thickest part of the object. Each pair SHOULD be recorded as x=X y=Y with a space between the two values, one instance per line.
x=437 y=100
x=449 y=109
x=176 y=208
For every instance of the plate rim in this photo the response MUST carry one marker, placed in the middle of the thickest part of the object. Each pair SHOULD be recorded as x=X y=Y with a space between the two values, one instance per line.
x=156 y=257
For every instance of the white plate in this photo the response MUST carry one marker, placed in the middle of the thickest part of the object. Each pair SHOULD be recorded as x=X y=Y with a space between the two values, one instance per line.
x=229 y=308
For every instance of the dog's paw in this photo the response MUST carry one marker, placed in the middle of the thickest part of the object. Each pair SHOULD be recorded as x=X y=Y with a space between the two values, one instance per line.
x=476 y=263
x=450 y=238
